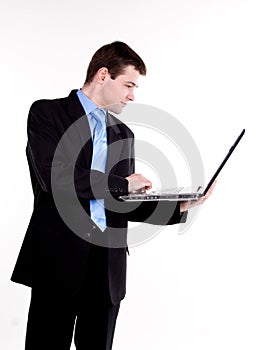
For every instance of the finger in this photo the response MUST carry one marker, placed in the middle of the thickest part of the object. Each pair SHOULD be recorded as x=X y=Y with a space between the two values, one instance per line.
x=210 y=190
x=212 y=186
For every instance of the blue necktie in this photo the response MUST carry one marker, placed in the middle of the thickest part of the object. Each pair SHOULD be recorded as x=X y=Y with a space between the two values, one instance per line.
x=99 y=158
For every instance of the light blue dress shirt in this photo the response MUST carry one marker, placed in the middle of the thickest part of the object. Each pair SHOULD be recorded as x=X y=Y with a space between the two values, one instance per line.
x=97 y=208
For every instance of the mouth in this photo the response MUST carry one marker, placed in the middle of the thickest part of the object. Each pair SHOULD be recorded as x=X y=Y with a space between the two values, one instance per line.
x=124 y=104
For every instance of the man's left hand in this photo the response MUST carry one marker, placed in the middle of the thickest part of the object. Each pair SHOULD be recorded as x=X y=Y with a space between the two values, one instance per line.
x=184 y=206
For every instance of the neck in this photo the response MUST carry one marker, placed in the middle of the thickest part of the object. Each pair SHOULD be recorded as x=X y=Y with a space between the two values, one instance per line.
x=92 y=92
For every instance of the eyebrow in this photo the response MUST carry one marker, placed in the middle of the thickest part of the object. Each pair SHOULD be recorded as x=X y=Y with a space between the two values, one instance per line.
x=131 y=82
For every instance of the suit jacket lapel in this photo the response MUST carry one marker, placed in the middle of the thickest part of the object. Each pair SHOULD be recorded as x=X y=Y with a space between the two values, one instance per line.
x=82 y=128
x=114 y=149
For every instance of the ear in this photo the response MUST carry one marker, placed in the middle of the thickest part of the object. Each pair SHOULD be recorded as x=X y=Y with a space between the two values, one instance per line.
x=102 y=74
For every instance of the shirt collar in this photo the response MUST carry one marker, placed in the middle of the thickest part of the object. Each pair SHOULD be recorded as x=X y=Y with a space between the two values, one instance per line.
x=87 y=103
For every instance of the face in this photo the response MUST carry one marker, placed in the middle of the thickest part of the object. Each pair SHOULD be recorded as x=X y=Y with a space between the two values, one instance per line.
x=116 y=93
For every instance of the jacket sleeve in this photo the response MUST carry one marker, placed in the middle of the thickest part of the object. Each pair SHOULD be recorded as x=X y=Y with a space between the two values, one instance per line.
x=157 y=213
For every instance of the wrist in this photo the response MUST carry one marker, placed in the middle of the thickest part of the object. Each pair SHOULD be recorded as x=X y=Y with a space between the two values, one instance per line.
x=183 y=207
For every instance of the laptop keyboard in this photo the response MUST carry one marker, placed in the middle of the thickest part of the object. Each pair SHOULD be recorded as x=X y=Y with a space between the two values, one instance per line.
x=167 y=190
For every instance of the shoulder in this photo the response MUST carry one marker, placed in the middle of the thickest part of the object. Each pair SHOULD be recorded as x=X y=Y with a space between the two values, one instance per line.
x=47 y=104
x=53 y=108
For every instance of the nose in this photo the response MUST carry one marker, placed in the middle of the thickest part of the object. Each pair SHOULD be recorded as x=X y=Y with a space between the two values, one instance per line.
x=130 y=96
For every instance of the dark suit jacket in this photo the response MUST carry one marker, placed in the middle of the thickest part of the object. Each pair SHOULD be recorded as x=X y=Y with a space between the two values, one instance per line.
x=51 y=253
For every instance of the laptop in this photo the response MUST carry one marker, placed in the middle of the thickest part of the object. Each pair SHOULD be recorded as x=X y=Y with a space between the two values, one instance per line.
x=180 y=193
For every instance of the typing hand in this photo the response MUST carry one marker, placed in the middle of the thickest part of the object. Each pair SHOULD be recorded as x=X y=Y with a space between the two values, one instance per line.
x=138 y=183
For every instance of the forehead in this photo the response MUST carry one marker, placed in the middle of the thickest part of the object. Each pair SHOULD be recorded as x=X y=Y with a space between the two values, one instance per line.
x=129 y=74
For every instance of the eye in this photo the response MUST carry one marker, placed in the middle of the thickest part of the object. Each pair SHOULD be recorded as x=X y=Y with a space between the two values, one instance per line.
x=131 y=86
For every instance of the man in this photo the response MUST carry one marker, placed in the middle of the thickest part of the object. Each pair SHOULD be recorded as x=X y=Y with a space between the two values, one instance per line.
x=78 y=275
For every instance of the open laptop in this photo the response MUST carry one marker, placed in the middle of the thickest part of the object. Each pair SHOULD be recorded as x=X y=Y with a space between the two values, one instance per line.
x=180 y=193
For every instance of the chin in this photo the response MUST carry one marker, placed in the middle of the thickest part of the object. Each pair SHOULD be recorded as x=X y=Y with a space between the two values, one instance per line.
x=117 y=109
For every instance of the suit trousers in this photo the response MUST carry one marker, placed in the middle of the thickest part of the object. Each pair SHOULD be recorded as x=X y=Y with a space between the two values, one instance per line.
x=55 y=315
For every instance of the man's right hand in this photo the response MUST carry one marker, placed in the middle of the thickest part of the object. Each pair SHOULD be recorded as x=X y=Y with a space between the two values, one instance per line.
x=137 y=182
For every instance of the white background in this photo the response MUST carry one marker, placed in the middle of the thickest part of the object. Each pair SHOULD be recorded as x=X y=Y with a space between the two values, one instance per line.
x=192 y=291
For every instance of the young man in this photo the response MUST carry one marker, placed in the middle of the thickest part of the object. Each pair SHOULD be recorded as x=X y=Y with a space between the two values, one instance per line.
x=76 y=265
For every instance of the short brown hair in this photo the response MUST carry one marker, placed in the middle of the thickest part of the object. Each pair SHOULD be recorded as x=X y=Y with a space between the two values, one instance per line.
x=115 y=57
